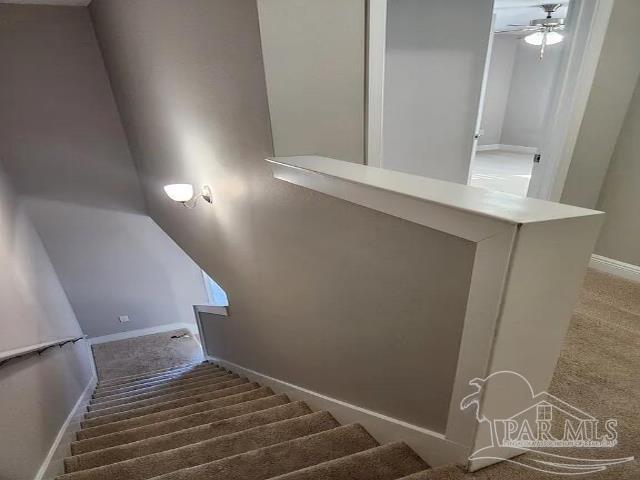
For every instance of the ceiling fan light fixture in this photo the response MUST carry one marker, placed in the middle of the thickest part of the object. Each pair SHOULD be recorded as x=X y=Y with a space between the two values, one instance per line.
x=538 y=37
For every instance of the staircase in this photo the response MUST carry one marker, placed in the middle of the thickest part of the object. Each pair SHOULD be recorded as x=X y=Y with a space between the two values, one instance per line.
x=202 y=421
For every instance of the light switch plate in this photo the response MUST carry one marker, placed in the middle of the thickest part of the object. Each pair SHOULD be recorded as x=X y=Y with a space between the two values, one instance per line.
x=124 y=318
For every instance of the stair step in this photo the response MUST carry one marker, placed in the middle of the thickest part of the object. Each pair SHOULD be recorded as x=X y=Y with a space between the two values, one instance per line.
x=158 y=388
x=149 y=466
x=139 y=376
x=226 y=388
x=219 y=383
x=168 y=414
x=283 y=457
x=150 y=382
x=448 y=472
x=185 y=437
x=123 y=382
x=387 y=462
x=229 y=407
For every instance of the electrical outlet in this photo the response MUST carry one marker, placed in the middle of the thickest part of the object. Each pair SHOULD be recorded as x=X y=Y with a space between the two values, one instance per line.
x=124 y=318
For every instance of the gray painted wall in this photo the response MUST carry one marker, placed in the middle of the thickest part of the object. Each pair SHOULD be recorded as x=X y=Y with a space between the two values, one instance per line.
x=519 y=89
x=433 y=77
x=498 y=87
x=314 y=54
x=309 y=277
x=36 y=393
x=63 y=143
x=117 y=263
x=532 y=83
x=615 y=80
x=620 y=195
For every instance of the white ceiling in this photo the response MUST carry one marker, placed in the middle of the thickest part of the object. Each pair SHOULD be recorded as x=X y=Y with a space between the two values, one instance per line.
x=48 y=2
x=522 y=11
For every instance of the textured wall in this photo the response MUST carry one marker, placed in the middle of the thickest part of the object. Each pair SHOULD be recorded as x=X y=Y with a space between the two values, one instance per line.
x=324 y=294
x=63 y=143
x=36 y=393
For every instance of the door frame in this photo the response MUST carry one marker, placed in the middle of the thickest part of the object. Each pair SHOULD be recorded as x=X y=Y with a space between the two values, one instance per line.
x=588 y=23
x=483 y=95
x=376 y=28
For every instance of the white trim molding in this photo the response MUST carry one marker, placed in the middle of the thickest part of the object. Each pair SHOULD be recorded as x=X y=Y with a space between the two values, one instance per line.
x=624 y=270
x=431 y=446
x=83 y=400
x=525 y=249
x=142 y=331
x=587 y=24
x=484 y=148
x=507 y=148
x=376 y=54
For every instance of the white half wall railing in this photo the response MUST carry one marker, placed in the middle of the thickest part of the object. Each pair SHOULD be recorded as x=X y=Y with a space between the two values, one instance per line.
x=530 y=260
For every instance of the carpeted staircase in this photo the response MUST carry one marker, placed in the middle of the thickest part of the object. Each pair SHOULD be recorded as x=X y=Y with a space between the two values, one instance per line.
x=201 y=421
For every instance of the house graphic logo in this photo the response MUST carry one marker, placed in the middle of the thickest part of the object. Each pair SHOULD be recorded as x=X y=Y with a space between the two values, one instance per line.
x=544 y=421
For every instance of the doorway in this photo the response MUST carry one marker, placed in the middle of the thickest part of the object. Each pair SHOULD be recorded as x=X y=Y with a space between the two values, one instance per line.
x=524 y=62
x=541 y=64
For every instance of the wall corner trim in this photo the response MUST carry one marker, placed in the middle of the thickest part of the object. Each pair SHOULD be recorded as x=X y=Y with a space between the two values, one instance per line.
x=624 y=270
x=84 y=396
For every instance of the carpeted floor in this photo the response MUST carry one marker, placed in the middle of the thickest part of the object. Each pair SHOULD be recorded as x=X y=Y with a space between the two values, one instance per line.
x=145 y=354
x=598 y=372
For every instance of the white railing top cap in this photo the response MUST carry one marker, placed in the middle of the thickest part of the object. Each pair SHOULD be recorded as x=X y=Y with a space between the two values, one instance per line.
x=497 y=205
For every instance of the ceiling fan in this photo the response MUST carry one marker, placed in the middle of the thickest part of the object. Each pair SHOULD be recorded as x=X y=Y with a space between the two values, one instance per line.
x=544 y=31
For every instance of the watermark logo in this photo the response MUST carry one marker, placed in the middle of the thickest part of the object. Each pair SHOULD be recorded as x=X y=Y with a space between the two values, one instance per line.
x=540 y=421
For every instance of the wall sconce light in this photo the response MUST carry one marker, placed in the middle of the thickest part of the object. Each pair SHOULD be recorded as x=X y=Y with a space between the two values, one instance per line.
x=184 y=193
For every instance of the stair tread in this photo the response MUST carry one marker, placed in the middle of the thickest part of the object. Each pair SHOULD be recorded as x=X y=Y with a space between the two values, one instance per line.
x=150 y=382
x=165 y=414
x=160 y=387
x=228 y=407
x=447 y=472
x=226 y=388
x=387 y=462
x=115 y=380
x=200 y=421
x=159 y=393
x=207 y=451
x=186 y=436
x=121 y=382
x=281 y=458
x=161 y=399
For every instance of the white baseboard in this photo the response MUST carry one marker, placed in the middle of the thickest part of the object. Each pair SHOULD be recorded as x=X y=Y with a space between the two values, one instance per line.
x=484 y=148
x=82 y=400
x=143 y=331
x=433 y=447
x=627 y=271
x=507 y=148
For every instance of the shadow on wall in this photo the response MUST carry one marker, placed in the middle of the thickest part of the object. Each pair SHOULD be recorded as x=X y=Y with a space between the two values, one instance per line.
x=116 y=263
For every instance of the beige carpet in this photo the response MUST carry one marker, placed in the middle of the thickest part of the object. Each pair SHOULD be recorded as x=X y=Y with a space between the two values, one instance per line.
x=599 y=372
x=201 y=421
x=145 y=354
